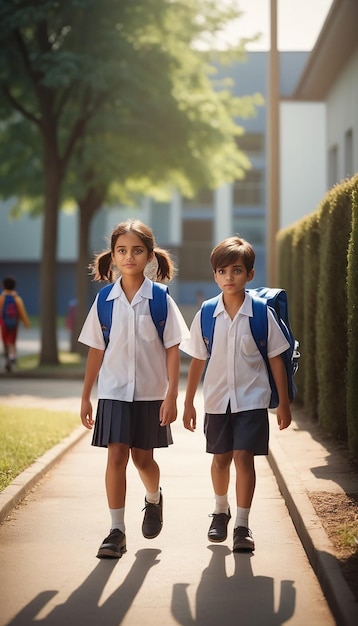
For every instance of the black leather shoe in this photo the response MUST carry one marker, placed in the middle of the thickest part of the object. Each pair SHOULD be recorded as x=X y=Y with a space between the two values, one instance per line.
x=218 y=528
x=113 y=546
x=243 y=540
x=153 y=519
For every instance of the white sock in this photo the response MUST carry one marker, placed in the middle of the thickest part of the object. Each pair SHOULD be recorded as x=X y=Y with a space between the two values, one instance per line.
x=153 y=498
x=221 y=504
x=242 y=517
x=117 y=519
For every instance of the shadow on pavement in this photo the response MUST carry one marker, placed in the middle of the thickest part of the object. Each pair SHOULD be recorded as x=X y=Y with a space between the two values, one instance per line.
x=242 y=598
x=82 y=606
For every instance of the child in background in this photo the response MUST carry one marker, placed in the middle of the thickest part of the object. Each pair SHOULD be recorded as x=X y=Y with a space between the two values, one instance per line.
x=236 y=389
x=138 y=377
x=12 y=311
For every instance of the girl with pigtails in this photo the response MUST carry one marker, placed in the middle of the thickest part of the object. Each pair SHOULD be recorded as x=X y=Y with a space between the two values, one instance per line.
x=138 y=375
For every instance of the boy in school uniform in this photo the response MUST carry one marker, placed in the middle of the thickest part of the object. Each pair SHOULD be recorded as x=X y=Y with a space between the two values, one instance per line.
x=236 y=389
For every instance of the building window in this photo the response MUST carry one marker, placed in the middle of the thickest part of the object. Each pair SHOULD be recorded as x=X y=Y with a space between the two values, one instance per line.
x=251 y=143
x=194 y=253
x=249 y=191
x=203 y=199
x=348 y=150
x=333 y=166
x=251 y=229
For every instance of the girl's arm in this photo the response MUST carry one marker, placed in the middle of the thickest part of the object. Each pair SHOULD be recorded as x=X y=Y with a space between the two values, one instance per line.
x=196 y=370
x=280 y=377
x=93 y=365
x=168 y=409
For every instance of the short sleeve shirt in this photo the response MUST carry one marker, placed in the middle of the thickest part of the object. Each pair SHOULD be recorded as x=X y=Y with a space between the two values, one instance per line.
x=236 y=371
x=134 y=363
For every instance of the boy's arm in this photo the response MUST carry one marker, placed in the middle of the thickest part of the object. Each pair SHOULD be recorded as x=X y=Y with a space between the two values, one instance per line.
x=280 y=377
x=168 y=409
x=94 y=361
x=194 y=376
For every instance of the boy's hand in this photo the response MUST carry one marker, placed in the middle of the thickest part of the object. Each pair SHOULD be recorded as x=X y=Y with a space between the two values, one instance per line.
x=86 y=414
x=189 y=418
x=283 y=416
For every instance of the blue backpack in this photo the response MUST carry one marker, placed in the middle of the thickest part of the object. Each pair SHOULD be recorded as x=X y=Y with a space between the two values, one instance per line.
x=10 y=313
x=262 y=297
x=158 y=309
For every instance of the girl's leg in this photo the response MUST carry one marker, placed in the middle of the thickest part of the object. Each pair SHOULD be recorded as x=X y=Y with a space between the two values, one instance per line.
x=114 y=545
x=118 y=455
x=149 y=472
x=148 y=469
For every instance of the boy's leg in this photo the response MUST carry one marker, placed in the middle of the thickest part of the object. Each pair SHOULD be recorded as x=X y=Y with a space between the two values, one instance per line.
x=114 y=545
x=153 y=504
x=245 y=488
x=220 y=476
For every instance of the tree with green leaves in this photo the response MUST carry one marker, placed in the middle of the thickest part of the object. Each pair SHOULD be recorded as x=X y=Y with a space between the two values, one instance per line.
x=109 y=96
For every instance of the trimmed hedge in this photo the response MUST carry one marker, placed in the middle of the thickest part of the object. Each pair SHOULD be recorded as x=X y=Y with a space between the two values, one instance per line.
x=352 y=369
x=318 y=266
x=308 y=346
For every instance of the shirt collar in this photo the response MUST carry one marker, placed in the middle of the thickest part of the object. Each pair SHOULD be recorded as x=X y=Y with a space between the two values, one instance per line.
x=145 y=290
x=245 y=309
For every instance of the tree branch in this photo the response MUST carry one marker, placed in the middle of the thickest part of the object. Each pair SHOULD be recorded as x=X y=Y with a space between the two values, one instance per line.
x=79 y=127
x=16 y=105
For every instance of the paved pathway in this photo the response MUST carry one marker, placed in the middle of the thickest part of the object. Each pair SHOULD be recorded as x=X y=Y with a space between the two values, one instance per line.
x=50 y=575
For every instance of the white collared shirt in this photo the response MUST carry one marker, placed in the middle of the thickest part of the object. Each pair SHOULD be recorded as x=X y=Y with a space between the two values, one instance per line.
x=236 y=371
x=134 y=363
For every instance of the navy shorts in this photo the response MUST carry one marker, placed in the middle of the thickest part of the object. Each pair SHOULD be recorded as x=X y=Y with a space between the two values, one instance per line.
x=246 y=430
x=135 y=424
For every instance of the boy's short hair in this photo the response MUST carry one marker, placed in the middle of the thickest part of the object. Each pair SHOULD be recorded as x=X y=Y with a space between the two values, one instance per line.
x=227 y=252
x=9 y=283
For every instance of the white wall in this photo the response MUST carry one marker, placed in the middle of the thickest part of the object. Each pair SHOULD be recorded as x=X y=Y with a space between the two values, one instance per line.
x=303 y=172
x=21 y=239
x=342 y=115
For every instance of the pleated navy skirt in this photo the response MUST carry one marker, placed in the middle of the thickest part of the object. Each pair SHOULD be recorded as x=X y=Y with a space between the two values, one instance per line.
x=134 y=423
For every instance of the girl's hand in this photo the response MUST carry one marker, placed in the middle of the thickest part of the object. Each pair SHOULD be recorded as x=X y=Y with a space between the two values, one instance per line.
x=189 y=418
x=86 y=414
x=168 y=412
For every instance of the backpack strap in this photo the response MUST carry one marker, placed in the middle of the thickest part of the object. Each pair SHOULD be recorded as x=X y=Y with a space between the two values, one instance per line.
x=259 y=330
x=158 y=306
x=207 y=321
x=105 y=310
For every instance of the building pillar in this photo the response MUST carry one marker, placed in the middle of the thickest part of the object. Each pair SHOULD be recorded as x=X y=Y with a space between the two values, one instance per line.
x=175 y=220
x=222 y=213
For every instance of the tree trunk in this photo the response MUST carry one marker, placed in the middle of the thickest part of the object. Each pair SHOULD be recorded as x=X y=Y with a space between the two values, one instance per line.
x=53 y=175
x=48 y=282
x=87 y=209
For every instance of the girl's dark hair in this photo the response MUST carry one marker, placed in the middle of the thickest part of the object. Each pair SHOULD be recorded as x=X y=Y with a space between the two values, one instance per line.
x=102 y=268
x=230 y=250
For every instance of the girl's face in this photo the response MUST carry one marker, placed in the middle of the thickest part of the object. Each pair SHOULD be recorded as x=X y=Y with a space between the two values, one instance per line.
x=130 y=255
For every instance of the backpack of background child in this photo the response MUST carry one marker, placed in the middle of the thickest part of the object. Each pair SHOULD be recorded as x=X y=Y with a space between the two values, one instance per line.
x=262 y=297
x=10 y=313
x=158 y=309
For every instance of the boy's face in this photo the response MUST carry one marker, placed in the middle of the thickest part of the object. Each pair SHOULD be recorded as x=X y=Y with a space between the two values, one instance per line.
x=232 y=279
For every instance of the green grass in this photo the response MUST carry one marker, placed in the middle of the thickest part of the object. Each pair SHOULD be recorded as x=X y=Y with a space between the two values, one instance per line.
x=26 y=434
x=68 y=361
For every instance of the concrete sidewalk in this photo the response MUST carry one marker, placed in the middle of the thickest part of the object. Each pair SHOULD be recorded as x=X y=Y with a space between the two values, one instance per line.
x=49 y=542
